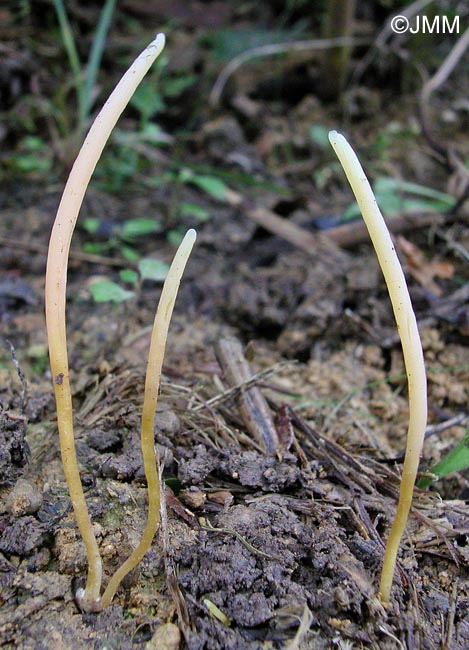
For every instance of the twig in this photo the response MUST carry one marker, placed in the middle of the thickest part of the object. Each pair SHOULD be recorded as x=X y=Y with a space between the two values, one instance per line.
x=346 y=235
x=295 y=235
x=243 y=540
x=456 y=247
x=446 y=68
x=253 y=406
x=451 y=309
x=432 y=429
x=76 y=255
x=447 y=645
x=430 y=86
x=350 y=234
x=335 y=455
x=229 y=393
x=274 y=50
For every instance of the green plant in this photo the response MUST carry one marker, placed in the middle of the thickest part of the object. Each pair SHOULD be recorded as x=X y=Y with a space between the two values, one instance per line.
x=90 y=598
x=148 y=269
x=211 y=184
x=84 y=80
x=121 y=237
x=131 y=152
x=151 y=96
x=395 y=195
x=411 y=347
x=31 y=156
x=455 y=460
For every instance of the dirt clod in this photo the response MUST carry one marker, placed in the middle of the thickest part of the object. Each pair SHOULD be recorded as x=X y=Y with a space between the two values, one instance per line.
x=24 y=499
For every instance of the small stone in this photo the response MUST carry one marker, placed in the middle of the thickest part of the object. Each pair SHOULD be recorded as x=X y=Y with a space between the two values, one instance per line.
x=24 y=499
x=166 y=637
x=193 y=497
x=223 y=497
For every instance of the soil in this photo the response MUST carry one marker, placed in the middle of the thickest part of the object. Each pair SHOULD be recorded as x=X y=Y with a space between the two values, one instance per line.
x=255 y=550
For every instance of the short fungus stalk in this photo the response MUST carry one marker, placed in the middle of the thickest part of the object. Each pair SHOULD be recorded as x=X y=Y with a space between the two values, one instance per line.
x=89 y=598
x=411 y=347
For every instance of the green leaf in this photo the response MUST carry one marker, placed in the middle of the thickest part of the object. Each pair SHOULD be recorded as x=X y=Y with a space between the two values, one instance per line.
x=32 y=163
x=33 y=143
x=147 y=100
x=97 y=49
x=177 y=85
x=320 y=136
x=151 y=269
x=185 y=175
x=153 y=133
x=196 y=211
x=352 y=212
x=175 y=236
x=91 y=225
x=454 y=461
x=130 y=254
x=95 y=247
x=228 y=43
x=391 y=198
x=397 y=185
x=135 y=228
x=214 y=186
x=32 y=155
x=174 y=483
x=128 y=275
x=107 y=291
x=71 y=50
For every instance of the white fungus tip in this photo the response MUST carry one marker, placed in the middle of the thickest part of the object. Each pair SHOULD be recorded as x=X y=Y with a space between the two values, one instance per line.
x=160 y=40
x=335 y=138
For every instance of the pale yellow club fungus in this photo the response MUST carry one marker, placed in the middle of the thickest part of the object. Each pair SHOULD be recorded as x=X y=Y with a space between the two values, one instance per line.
x=89 y=598
x=152 y=383
x=411 y=347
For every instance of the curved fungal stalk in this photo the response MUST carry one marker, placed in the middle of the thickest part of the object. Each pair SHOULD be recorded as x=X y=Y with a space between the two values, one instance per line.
x=55 y=298
x=411 y=347
x=150 y=400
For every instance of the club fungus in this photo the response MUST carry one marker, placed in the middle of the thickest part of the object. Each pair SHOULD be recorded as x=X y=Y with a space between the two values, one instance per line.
x=90 y=598
x=411 y=347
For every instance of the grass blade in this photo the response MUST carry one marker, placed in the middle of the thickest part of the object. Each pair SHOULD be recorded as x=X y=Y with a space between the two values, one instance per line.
x=94 y=61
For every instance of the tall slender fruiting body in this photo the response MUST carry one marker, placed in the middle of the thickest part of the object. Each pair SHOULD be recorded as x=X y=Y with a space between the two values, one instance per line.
x=152 y=384
x=55 y=297
x=411 y=346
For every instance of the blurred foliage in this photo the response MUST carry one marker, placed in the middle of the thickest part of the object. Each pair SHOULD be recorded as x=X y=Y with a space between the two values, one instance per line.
x=84 y=78
x=121 y=237
x=108 y=291
x=394 y=195
x=68 y=84
x=149 y=269
x=227 y=43
x=403 y=195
